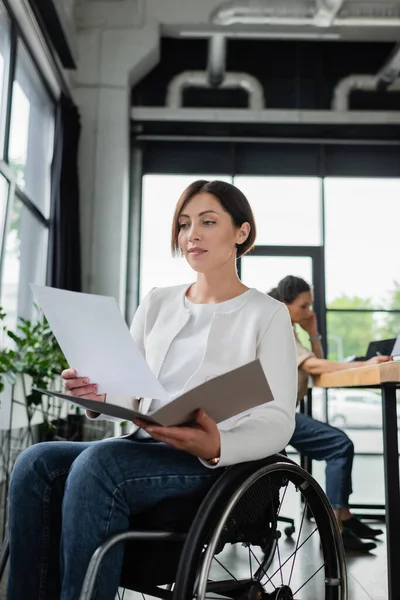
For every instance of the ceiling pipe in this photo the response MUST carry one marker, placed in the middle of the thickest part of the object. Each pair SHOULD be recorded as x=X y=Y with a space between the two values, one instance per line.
x=232 y=80
x=216 y=64
x=322 y=13
x=365 y=83
x=259 y=11
x=326 y=11
x=391 y=69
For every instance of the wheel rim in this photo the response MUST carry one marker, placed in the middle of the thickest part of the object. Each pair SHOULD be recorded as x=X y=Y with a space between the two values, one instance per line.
x=279 y=576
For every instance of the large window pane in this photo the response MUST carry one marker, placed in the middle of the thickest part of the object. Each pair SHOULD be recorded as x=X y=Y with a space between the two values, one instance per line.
x=24 y=262
x=287 y=209
x=265 y=272
x=3 y=203
x=349 y=333
x=157 y=266
x=362 y=232
x=5 y=43
x=359 y=413
x=32 y=132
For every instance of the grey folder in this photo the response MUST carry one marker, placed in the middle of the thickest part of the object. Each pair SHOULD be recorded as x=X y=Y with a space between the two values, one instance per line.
x=223 y=397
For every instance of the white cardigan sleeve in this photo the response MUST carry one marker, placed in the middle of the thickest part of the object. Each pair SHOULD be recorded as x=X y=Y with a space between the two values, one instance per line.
x=267 y=429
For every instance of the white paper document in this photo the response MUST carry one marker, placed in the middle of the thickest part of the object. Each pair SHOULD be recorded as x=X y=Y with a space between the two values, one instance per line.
x=97 y=343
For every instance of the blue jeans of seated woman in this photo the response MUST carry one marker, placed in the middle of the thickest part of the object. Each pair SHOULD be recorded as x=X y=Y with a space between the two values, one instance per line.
x=321 y=441
x=66 y=498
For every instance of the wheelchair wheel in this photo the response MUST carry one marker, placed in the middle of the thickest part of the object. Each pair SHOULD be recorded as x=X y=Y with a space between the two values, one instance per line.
x=235 y=549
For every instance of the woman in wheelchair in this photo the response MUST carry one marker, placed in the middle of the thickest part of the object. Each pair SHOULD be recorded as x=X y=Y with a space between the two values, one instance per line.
x=66 y=498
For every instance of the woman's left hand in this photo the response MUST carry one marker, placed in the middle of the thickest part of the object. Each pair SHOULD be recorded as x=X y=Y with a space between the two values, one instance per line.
x=202 y=439
x=309 y=323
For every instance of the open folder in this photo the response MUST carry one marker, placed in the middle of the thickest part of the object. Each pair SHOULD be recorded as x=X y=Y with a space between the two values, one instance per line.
x=97 y=343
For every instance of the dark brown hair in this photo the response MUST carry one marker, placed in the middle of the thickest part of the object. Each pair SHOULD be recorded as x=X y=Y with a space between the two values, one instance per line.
x=232 y=200
x=289 y=288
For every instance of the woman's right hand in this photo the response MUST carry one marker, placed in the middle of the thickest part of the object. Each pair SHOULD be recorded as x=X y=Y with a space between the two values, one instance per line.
x=80 y=386
x=377 y=360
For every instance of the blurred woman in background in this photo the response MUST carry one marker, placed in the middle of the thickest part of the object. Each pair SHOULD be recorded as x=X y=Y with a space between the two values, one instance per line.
x=318 y=440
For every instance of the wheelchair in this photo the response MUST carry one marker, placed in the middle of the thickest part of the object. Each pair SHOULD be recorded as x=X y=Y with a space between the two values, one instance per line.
x=228 y=545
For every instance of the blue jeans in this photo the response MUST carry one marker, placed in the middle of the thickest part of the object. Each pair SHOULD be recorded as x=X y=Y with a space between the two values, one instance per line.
x=66 y=498
x=321 y=441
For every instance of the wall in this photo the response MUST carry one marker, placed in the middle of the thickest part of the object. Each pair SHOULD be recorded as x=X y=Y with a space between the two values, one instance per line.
x=118 y=43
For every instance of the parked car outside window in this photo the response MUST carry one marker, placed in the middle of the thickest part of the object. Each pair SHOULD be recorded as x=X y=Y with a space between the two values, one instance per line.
x=356 y=408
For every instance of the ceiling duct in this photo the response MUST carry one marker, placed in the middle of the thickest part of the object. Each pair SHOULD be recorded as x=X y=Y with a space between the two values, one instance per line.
x=318 y=13
x=274 y=12
x=231 y=81
x=364 y=83
x=391 y=69
x=326 y=12
x=216 y=63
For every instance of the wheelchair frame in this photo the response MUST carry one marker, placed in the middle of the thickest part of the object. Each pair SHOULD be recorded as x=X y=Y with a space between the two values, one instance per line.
x=212 y=514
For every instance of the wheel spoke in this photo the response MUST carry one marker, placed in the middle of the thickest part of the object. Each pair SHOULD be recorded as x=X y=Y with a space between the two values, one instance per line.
x=289 y=557
x=309 y=579
x=250 y=563
x=249 y=548
x=261 y=566
x=280 y=563
x=297 y=541
x=225 y=569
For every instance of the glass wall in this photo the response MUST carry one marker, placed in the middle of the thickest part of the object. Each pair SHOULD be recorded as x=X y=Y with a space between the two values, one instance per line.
x=31 y=134
x=362 y=262
x=354 y=221
x=5 y=46
x=26 y=149
x=287 y=209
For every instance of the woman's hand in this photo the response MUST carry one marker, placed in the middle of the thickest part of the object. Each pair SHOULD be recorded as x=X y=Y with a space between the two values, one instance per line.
x=80 y=386
x=377 y=360
x=310 y=324
x=202 y=439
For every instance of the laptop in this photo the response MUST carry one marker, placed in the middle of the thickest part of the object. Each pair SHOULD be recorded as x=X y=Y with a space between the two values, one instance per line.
x=396 y=349
x=389 y=347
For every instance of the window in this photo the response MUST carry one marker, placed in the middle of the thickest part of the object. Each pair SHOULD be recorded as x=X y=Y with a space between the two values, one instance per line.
x=362 y=257
x=3 y=203
x=158 y=267
x=362 y=263
x=24 y=261
x=287 y=210
x=265 y=272
x=31 y=134
x=5 y=43
x=351 y=332
x=27 y=130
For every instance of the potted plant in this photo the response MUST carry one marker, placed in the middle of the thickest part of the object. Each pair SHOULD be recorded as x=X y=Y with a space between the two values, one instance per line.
x=34 y=359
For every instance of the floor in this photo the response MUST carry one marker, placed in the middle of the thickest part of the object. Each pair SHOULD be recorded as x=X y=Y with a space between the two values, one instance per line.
x=366 y=576
x=366 y=573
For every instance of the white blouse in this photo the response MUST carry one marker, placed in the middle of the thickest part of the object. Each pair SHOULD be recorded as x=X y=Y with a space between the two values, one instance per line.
x=186 y=352
x=258 y=327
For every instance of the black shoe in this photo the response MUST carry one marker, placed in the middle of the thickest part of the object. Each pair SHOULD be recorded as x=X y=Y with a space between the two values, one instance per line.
x=361 y=529
x=352 y=543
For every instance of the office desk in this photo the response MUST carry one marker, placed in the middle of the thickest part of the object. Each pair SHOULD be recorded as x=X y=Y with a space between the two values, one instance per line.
x=387 y=377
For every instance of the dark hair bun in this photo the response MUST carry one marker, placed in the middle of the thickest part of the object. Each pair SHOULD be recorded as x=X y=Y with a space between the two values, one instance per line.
x=290 y=287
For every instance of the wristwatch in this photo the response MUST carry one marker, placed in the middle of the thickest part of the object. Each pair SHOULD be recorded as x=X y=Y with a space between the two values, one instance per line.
x=316 y=338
